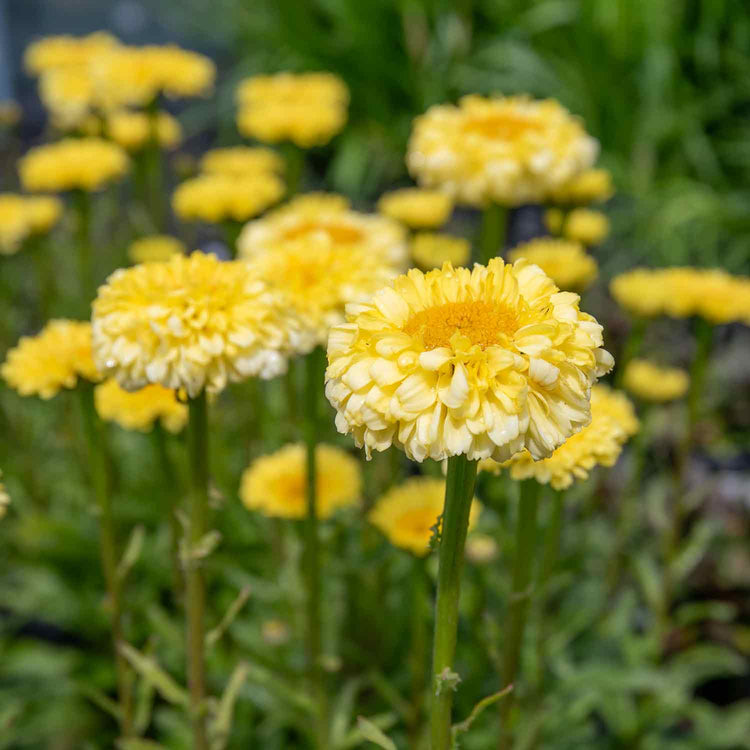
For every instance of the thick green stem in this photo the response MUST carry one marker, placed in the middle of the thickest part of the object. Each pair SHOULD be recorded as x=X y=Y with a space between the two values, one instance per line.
x=82 y=203
x=704 y=339
x=311 y=559
x=632 y=348
x=493 y=231
x=520 y=597
x=459 y=492
x=39 y=249
x=99 y=477
x=295 y=167
x=154 y=169
x=232 y=229
x=195 y=591
x=418 y=648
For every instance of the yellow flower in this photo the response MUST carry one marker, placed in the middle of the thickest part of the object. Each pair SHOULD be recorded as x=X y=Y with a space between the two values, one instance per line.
x=139 y=410
x=4 y=498
x=307 y=109
x=591 y=186
x=64 y=51
x=506 y=150
x=566 y=263
x=132 y=130
x=242 y=160
x=652 y=382
x=613 y=421
x=681 y=292
x=416 y=207
x=69 y=95
x=55 y=358
x=193 y=322
x=276 y=484
x=84 y=163
x=43 y=211
x=586 y=226
x=10 y=113
x=553 y=220
x=431 y=250
x=408 y=513
x=328 y=221
x=155 y=248
x=14 y=223
x=482 y=362
x=216 y=197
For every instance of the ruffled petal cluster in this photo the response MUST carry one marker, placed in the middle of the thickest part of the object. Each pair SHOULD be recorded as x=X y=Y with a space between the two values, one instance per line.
x=193 y=322
x=307 y=109
x=565 y=262
x=217 y=197
x=242 y=160
x=54 y=359
x=155 y=248
x=482 y=362
x=680 y=292
x=506 y=150
x=416 y=207
x=328 y=221
x=276 y=484
x=139 y=410
x=408 y=514
x=133 y=130
x=591 y=186
x=613 y=422
x=652 y=382
x=430 y=250
x=72 y=163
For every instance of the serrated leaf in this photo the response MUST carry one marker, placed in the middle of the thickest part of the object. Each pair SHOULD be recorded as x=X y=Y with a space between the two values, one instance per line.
x=372 y=734
x=694 y=549
x=150 y=671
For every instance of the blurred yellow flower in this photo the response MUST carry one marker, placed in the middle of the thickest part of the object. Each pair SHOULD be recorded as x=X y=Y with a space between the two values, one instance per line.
x=242 y=160
x=193 y=322
x=83 y=163
x=216 y=197
x=506 y=150
x=613 y=422
x=482 y=362
x=10 y=113
x=276 y=484
x=65 y=51
x=43 y=211
x=680 y=292
x=565 y=262
x=55 y=358
x=591 y=186
x=139 y=410
x=14 y=223
x=586 y=226
x=408 y=513
x=553 y=220
x=132 y=130
x=4 y=498
x=307 y=109
x=430 y=250
x=652 y=382
x=481 y=549
x=69 y=95
x=416 y=207
x=328 y=221
x=156 y=247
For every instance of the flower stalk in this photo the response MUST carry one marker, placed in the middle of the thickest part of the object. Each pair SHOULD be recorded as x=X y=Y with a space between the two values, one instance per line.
x=492 y=234
x=82 y=203
x=459 y=491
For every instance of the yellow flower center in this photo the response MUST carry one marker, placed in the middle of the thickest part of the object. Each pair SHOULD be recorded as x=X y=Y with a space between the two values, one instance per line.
x=339 y=233
x=481 y=322
x=504 y=127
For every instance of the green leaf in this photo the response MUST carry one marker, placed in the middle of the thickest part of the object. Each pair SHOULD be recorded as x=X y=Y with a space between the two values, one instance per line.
x=150 y=671
x=221 y=726
x=132 y=552
x=372 y=734
x=486 y=702
x=233 y=610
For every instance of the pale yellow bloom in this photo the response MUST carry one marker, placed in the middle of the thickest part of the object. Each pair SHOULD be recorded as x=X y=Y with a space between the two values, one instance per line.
x=83 y=163
x=132 y=130
x=66 y=51
x=481 y=549
x=416 y=207
x=43 y=211
x=156 y=247
x=591 y=186
x=328 y=221
x=481 y=362
x=506 y=150
x=586 y=226
x=10 y=113
x=217 y=197
x=4 y=498
x=193 y=322
x=613 y=422
x=242 y=160
x=652 y=382
x=55 y=358
x=408 y=513
x=69 y=95
x=565 y=262
x=307 y=109
x=276 y=484
x=430 y=250
x=139 y=410
x=14 y=223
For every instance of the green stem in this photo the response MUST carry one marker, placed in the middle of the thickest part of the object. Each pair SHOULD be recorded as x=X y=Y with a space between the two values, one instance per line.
x=232 y=229
x=311 y=558
x=82 y=203
x=704 y=339
x=295 y=167
x=99 y=477
x=418 y=648
x=154 y=170
x=39 y=250
x=195 y=591
x=631 y=349
x=493 y=232
x=520 y=597
x=459 y=492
